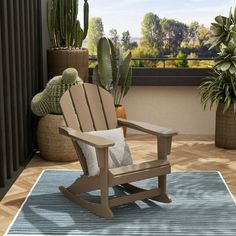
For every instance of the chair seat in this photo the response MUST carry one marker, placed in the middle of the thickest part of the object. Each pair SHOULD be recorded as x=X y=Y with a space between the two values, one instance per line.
x=138 y=167
x=139 y=171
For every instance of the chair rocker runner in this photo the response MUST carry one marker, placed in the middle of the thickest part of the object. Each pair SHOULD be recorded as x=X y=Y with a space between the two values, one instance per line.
x=87 y=108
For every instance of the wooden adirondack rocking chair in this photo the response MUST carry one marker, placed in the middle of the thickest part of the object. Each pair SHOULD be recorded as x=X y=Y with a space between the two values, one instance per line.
x=88 y=107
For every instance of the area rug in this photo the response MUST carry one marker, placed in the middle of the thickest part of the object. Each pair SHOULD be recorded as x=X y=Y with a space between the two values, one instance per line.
x=201 y=205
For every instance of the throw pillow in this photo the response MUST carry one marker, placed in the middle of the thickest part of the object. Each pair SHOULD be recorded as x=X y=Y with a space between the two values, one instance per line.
x=119 y=154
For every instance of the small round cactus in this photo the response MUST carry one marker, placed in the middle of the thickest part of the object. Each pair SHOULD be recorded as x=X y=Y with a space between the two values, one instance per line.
x=47 y=101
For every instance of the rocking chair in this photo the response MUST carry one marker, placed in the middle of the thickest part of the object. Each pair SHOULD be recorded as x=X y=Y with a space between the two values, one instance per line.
x=88 y=107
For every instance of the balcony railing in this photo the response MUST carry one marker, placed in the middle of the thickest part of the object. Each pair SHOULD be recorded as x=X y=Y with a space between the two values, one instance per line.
x=165 y=59
x=166 y=76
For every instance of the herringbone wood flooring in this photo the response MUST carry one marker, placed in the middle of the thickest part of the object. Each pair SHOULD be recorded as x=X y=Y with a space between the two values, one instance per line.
x=189 y=153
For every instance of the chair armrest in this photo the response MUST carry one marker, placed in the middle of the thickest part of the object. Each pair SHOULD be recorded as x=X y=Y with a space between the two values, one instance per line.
x=147 y=128
x=92 y=140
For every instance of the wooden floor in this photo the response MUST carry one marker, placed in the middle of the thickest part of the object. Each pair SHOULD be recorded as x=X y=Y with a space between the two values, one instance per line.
x=189 y=153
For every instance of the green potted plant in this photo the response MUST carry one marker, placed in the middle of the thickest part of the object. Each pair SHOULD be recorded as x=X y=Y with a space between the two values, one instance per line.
x=66 y=36
x=52 y=145
x=113 y=73
x=220 y=87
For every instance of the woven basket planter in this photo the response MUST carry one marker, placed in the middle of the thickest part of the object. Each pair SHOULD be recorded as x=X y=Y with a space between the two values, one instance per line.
x=60 y=59
x=52 y=145
x=225 y=136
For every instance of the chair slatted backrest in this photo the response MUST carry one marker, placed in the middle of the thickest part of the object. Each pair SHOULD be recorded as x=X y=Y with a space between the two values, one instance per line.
x=88 y=107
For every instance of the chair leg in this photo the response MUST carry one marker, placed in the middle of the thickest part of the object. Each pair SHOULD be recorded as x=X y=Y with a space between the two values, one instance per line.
x=164 y=147
x=84 y=184
x=162 y=185
x=102 y=156
x=106 y=211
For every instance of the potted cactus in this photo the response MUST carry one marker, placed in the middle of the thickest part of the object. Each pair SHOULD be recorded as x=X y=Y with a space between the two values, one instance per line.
x=220 y=87
x=66 y=36
x=113 y=73
x=52 y=145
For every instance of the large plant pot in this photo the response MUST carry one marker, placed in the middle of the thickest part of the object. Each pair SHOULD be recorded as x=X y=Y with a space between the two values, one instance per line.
x=60 y=59
x=52 y=145
x=120 y=113
x=225 y=136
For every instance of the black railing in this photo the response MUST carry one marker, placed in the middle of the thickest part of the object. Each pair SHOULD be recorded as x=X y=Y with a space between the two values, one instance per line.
x=163 y=76
x=162 y=59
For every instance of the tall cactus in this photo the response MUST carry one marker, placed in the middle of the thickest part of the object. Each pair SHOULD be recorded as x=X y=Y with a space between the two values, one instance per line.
x=63 y=27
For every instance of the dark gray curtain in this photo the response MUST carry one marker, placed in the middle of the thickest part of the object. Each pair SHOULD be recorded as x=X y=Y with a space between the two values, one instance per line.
x=20 y=79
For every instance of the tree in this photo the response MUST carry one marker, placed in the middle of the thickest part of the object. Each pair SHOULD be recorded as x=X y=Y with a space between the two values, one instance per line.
x=95 y=32
x=174 y=32
x=203 y=34
x=192 y=31
x=114 y=37
x=151 y=31
x=144 y=51
x=126 y=42
x=181 y=63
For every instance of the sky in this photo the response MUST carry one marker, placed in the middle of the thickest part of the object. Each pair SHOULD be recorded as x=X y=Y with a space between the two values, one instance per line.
x=128 y=14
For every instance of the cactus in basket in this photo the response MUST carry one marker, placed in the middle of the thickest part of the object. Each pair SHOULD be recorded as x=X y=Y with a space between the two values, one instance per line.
x=64 y=29
x=47 y=101
x=112 y=72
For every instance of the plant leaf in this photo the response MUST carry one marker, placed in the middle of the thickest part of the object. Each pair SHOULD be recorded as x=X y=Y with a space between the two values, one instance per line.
x=124 y=71
x=225 y=66
x=104 y=62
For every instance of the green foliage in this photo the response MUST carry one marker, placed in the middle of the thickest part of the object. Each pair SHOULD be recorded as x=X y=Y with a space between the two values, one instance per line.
x=223 y=29
x=152 y=31
x=220 y=87
x=63 y=27
x=144 y=51
x=174 y=32
x=192 y=31
x=114 y=37
x=226 y=61
x=203 y=34
x=168 y=63
x=181 y=63
x=95 y=32
x=126 y=41
x=112 y=71
x=193 y=63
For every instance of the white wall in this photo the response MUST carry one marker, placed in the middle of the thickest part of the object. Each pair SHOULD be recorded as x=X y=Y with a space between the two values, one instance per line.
x=174 y=107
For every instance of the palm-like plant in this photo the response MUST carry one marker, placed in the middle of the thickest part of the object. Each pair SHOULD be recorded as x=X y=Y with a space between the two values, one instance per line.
x=223 y=29
x=113 y=71
x=220 y=86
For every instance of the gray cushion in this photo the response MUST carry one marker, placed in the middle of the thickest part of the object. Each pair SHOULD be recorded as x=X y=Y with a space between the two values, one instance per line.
x=119 y=154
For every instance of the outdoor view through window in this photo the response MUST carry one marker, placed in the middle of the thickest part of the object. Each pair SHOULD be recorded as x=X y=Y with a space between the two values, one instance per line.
x=151 y=29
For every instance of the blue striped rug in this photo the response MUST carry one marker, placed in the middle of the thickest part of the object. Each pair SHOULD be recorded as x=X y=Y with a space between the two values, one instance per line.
x=201 y=205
